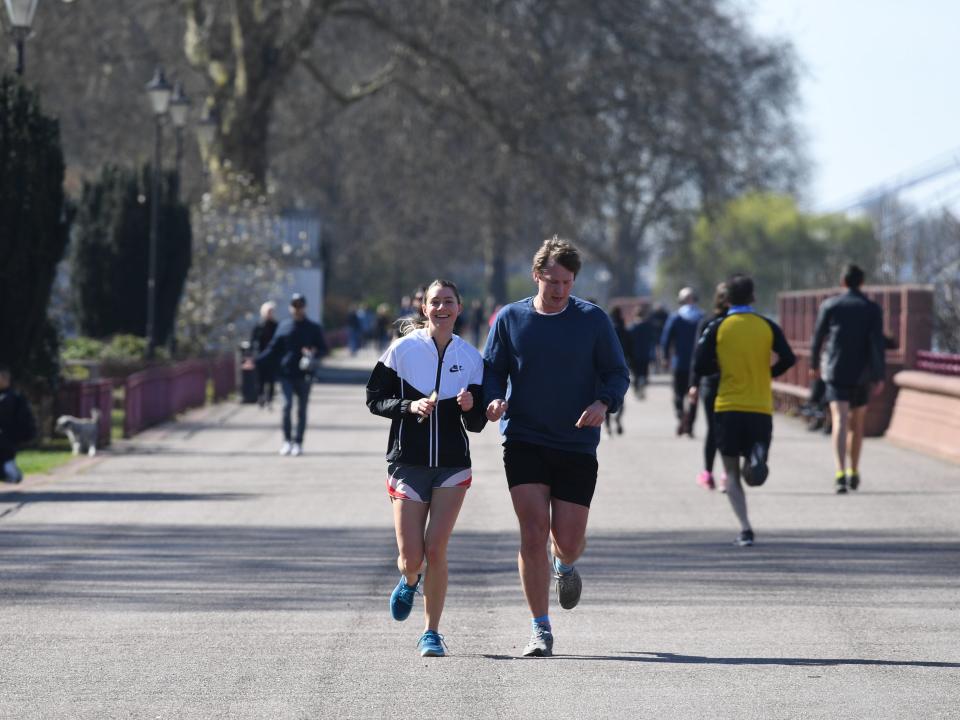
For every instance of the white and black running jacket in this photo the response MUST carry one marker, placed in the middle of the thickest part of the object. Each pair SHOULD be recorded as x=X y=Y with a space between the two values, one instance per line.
x=411 y=369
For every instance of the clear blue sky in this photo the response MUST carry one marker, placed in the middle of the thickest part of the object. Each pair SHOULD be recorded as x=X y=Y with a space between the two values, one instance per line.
x=880 y=87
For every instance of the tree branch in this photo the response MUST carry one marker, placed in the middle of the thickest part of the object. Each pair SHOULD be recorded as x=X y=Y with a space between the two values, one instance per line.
x=358 y=91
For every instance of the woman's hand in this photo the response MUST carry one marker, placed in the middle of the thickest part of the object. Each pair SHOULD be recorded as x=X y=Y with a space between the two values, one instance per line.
x=423 y=407
x=465 y=400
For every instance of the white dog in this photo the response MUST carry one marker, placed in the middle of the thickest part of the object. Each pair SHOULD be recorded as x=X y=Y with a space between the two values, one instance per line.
x=83 y=432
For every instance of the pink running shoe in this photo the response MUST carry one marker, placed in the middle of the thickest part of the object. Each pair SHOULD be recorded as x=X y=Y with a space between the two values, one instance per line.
x=722 y=484
x=705 y=480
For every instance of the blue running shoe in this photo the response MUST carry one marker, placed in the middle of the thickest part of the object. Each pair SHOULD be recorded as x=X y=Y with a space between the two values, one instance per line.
x=431 y=644
x=401 y=599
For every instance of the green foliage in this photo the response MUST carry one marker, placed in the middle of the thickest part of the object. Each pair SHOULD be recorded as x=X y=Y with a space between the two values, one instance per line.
x=81 y=348
x=34 y=221
x=109 y=257
x=768 y=237
x=122 y=348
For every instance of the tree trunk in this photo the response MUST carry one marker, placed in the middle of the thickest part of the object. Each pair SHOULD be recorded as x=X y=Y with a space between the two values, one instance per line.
x=495 y=250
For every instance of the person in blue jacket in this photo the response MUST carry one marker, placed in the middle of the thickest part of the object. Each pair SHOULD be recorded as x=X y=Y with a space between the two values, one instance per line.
x=294 y=352
x=678 y=341
x=553 y=369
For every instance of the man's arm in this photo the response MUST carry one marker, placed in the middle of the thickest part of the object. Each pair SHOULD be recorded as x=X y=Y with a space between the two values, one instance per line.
x=785 y=357
x=877 y=345
x=496 y=362
x=611 y=368
x=274 y=350
x=819 y=335
x=666 y=335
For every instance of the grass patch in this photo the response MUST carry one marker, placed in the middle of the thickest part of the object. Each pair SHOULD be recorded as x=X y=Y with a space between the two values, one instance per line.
x=116 y=424
x=52 y=454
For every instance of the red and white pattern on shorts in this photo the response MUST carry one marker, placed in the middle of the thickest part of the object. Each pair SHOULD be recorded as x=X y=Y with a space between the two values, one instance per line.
x=399 y=488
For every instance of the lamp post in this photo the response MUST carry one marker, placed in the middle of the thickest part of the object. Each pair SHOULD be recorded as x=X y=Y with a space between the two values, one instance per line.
x=20 y=13
x=179 y=107
x=158 y=90
x=206 y=134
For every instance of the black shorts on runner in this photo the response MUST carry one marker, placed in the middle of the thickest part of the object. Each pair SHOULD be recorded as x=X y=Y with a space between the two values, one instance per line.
x=857 y=395
x=738 y=432
x=571 y=476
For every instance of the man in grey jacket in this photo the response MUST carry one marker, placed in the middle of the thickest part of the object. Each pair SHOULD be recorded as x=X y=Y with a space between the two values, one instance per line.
x=848 y=353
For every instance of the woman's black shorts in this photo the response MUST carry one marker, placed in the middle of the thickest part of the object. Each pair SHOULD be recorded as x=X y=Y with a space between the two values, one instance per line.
x=857 y=395
x=571 y=476
x=738 y=432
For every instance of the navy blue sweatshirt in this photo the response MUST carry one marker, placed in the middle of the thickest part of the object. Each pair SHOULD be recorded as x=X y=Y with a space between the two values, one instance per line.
x=556 y=366
x=285 y=349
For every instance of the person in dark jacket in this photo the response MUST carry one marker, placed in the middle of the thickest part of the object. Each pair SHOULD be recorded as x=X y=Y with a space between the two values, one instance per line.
x=260 y=338
x=294 y=352
x=848 y=353
x=643 y=342
x=17 y=426
x=678 y=341
x=706 y=387
x=429 y=384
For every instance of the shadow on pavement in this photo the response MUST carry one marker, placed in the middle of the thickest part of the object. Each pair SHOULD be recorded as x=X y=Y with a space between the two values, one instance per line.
x=22 y=497
x=214 y=568
x=672 y=658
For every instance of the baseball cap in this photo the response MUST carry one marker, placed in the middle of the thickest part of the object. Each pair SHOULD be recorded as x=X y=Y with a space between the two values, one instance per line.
x=298 y=300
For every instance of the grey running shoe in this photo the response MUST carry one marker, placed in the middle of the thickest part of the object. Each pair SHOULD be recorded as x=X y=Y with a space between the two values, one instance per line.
x=541 y=642
x=744 y=539
x=569 y=586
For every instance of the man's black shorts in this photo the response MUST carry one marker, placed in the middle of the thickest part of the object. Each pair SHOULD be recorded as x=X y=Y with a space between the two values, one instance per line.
x=738 y=432
x=857 y=395
x=571 y=476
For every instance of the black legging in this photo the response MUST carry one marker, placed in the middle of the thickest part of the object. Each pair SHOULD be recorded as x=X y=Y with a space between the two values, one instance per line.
x=681 y=384
x=708 y=394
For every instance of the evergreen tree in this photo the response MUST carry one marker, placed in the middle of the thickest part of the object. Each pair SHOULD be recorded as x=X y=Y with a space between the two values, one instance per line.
x=110 y=254
x=34 y=222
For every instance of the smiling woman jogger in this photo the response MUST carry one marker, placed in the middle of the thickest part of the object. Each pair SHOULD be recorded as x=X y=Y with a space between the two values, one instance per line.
x=428 y=383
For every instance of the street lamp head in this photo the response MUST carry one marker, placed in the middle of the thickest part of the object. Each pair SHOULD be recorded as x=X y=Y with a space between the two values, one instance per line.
x=158 y=89
x=20 y=14
x=179 y=106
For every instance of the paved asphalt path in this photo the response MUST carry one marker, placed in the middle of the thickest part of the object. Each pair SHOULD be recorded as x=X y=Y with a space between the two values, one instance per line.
x=194 y=573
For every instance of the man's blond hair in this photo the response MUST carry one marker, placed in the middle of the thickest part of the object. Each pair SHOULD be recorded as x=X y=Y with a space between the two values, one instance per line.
x=562 y=252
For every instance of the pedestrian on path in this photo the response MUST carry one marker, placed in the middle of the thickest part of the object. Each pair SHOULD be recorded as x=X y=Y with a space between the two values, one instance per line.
x=849 y=334
x=678 y=341
x=620 y=327
x=706 y=388
x=17 y=426
x=643 y=343
x=738 y=346
x=429 y=384
x=565 y=370
x=260 y=338
x=294 y=353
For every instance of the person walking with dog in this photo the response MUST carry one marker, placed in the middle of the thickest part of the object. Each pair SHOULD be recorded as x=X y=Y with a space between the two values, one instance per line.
x=564 y=367
x=848 y=354
x=738 y=346
x=294 y=353
x=17 y=426
x=429 y=384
